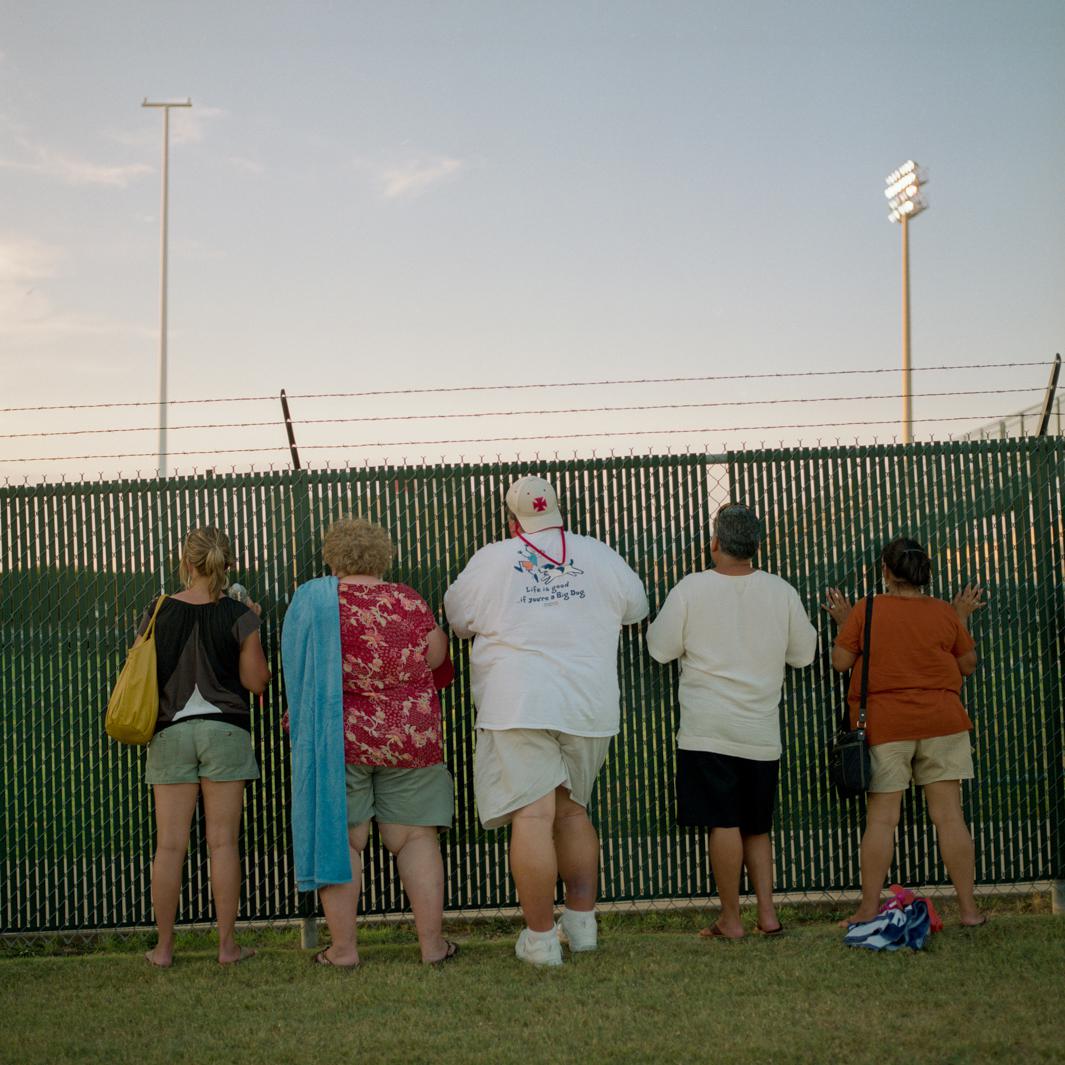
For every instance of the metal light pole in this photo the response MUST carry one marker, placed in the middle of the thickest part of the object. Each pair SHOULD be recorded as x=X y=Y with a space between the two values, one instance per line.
x=166 y=106
x=905 y=200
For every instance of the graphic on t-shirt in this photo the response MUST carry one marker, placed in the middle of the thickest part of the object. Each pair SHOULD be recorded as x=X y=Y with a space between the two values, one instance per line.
x=542 y=570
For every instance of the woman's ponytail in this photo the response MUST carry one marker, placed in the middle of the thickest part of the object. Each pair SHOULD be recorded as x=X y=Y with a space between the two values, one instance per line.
x=207 y=551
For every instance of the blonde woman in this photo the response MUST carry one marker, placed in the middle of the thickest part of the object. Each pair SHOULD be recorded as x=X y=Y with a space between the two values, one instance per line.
x=209 y=659
x=359 y=655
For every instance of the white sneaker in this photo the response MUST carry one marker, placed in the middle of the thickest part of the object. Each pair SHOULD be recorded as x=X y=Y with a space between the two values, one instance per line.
x=578 y=929
x=546 y=951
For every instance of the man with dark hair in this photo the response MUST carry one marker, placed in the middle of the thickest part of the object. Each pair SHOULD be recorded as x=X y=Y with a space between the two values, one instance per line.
x=733 y=628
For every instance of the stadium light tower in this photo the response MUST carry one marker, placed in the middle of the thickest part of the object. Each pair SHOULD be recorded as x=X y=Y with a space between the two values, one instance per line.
x=904 y=193
x=166 y=106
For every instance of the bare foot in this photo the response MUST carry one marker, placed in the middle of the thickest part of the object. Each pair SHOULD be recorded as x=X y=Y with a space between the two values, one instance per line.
x=235 y=955
x=338 y=960
x=159 y=958
x=435 y=952
x=859 y=916
x=768 y=921
x=972 y=920
x=719 y=931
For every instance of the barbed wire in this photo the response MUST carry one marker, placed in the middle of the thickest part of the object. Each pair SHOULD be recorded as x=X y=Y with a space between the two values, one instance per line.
x=279 y=422
x=519 y=387
x=491 y=439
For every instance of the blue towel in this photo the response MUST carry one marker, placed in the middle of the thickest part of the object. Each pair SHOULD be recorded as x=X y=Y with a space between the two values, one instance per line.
x=907 y=926
x=310 y=656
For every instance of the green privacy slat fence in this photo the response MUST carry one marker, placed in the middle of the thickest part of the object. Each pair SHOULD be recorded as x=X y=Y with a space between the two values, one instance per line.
x=81 y=561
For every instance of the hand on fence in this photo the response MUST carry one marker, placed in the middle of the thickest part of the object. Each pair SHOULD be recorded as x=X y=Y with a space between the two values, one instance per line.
x=837 y=604
x=968 y=600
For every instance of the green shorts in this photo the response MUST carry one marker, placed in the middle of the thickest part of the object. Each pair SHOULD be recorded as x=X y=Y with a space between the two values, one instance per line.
x=396 y=796
x=199 y=749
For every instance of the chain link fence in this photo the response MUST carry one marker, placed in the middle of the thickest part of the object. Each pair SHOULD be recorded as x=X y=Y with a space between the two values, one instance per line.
x=81 y=561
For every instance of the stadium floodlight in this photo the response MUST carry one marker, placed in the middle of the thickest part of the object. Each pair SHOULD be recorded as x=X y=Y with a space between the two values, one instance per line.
x=905 y=201
x=163 y=218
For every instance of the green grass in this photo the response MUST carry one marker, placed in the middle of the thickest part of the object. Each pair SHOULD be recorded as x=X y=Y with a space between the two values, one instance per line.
x=653 y=993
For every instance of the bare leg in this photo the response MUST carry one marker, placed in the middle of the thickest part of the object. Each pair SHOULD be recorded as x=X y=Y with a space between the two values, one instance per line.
x=174 y=807
x=421 y=870
x=955 y=844
x=726 y=861
x=758 y=858
x=577 y=849
x=341 y=903
x=223 y=804
x=878 y=848
x=533 y=862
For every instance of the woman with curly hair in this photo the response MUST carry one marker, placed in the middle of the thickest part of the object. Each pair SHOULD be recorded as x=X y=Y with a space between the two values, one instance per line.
x=359 y=655
x=917 y=727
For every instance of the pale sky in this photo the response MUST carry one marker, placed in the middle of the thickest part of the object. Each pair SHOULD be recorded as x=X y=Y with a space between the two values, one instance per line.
x=399 y=195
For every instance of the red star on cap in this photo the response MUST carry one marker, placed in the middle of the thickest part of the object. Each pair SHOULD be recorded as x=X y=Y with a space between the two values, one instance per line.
x=539 y=504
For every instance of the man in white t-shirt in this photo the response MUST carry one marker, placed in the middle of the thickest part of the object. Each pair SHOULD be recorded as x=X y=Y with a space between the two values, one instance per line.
x=545 y=609
x=733 y=628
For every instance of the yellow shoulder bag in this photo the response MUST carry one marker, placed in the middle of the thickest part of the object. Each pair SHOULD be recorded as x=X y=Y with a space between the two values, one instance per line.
x=134 y=704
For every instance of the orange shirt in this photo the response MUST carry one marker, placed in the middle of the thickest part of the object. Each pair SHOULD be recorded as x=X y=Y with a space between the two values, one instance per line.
x=914 y=678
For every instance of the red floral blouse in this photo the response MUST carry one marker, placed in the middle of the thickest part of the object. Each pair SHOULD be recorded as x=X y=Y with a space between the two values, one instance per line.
x=391 y=710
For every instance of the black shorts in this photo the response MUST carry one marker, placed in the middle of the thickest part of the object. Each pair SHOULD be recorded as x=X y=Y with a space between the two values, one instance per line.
x=722 y=791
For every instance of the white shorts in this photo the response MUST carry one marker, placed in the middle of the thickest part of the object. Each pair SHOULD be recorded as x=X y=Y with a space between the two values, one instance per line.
x=516 y=766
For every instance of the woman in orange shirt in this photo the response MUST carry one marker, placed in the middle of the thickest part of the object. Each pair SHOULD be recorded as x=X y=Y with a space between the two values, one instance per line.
x=917 y=728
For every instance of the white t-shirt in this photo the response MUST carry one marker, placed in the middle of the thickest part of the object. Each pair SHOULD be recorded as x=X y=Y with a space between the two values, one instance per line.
x=546 y=635
x=733 y=636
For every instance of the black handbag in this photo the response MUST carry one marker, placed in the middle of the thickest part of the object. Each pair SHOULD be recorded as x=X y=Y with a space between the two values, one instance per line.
x=849 y=764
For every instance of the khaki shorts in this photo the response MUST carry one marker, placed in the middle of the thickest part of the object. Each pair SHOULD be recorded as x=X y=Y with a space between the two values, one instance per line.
x=922 y=761
x=514 y=767
x=400 y=796
x=200 y=748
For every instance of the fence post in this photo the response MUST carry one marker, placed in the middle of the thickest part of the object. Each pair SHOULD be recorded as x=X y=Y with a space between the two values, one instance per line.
x=309 y=920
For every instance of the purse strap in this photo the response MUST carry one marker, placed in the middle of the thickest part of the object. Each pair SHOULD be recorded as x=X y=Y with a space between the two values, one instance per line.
x=149 y=632
x=863 y=697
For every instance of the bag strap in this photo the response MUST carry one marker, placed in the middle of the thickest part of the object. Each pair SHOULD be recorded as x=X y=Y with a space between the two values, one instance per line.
x=865 y=659
x=149 y=632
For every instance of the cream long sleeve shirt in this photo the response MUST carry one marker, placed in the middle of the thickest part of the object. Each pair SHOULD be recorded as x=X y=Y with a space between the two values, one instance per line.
x=733 y=636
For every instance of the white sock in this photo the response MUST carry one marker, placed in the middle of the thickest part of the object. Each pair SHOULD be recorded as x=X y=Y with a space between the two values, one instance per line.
x=579 y=917
x=540 y=937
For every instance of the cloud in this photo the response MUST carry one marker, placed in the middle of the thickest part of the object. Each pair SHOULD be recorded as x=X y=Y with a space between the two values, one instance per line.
x=72 y=169
x=247 y=166
x=411 y=179
x=188 y=125
x=28 y=260
x=26 y=311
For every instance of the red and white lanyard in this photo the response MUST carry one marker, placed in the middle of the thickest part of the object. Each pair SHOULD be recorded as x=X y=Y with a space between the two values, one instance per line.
x=557 y=561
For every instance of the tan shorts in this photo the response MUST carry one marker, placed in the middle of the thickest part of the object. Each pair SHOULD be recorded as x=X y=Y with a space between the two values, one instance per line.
x=922 y=761
x=514 y=767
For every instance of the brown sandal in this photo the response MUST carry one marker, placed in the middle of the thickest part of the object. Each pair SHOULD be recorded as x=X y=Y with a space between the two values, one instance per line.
x=713 y=932
x=322 y=958
x=449 y=954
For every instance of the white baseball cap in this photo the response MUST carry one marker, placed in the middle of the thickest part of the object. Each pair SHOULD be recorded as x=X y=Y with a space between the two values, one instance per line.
x=533 y=502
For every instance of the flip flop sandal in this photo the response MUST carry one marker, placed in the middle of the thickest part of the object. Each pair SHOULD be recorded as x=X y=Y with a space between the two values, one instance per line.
x=713 y=932
x=245 y=954
x=321 y=958
x=449 y=954
x=778 y=931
